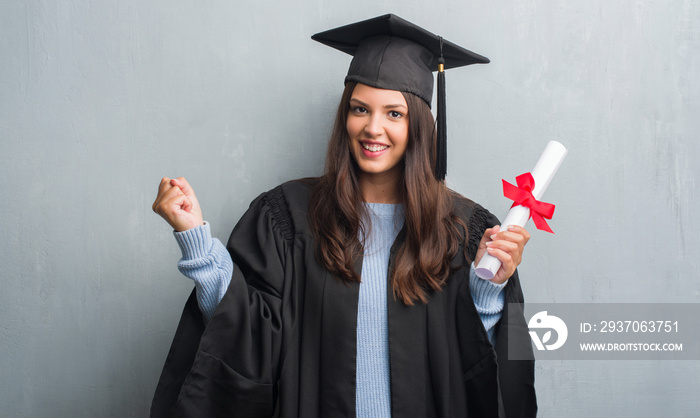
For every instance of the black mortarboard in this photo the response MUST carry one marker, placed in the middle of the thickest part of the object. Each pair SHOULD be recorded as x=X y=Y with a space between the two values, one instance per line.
x=392 y=53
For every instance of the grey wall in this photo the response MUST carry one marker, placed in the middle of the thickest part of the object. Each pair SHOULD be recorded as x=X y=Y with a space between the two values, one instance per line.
x=99 y=100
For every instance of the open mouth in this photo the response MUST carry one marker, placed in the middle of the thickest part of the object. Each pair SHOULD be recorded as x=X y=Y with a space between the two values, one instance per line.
x=374 y=147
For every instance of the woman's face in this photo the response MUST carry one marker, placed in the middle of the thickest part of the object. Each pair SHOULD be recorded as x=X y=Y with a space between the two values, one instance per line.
x=377 y=126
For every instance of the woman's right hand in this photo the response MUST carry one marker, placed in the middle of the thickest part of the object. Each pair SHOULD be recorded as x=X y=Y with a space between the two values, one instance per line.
x=177 y=204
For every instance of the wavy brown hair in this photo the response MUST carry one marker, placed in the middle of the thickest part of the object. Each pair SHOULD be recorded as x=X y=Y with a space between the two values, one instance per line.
x=336 y=209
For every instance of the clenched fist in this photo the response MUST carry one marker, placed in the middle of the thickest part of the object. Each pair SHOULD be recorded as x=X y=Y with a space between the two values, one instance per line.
x=177 y=204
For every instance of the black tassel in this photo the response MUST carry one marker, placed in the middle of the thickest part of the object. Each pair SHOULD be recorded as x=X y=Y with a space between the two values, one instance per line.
x=441 y=147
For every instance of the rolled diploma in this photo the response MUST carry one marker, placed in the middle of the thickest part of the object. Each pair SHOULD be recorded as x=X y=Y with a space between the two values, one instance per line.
x=544 y=171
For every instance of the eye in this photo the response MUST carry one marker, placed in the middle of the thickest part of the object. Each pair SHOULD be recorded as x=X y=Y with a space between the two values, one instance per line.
x=358 y=110
x=393 y=114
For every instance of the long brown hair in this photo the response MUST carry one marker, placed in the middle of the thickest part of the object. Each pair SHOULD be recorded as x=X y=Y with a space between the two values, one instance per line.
x=433 y=234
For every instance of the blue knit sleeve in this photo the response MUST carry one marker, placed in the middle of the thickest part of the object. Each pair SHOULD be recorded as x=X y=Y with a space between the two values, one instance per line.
x=206 y=261
x=489 y=300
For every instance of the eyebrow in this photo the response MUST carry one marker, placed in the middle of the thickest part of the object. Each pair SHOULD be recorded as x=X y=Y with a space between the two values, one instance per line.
x=389 y=106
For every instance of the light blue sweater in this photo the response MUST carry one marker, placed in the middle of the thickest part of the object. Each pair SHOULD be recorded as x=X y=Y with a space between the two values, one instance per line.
x=208 y=263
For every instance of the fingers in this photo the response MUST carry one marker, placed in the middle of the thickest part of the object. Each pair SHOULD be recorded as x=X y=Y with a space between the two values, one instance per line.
x=162 y=187
x=503 y=245
x=507 y=246
x=164 y=184
x=508 y=263
x=489 y=235
x=165 y=197
x=168 y=186
x=514 y=233
x=176 y=208
x=177 y=204
x=183 y=185
x=520 y=231
x=185 y=203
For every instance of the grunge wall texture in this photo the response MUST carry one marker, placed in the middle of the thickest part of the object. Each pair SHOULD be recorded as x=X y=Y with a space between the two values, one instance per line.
x=99 y=100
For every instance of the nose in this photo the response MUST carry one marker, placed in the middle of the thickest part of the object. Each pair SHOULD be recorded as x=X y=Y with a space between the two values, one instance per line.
x=374 y=127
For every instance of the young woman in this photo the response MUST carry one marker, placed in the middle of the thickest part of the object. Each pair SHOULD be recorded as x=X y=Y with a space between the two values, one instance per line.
x=353 y=294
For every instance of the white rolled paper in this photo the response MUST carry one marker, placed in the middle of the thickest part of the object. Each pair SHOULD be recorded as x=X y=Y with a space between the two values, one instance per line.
x=544 y=171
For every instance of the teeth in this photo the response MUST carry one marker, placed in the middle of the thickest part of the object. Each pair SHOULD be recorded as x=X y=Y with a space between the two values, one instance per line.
x=374 y=147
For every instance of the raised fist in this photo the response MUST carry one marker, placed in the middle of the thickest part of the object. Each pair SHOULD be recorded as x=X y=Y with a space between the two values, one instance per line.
x=177 y=204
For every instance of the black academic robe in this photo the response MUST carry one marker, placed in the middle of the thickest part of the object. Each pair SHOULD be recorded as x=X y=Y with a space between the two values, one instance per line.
x=283 y=340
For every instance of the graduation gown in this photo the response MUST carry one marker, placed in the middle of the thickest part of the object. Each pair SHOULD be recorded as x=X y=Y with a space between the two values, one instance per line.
x=283 y=340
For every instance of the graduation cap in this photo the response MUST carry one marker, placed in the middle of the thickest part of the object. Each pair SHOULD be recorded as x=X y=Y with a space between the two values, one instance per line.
x=392 y=53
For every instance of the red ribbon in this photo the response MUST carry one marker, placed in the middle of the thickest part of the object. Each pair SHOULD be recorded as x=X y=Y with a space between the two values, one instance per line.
x=522 y=195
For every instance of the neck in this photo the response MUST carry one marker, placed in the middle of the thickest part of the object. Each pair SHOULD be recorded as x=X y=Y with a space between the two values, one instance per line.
x=379 y=189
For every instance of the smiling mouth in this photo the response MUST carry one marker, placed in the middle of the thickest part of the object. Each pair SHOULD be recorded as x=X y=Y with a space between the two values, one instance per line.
x=374 y=147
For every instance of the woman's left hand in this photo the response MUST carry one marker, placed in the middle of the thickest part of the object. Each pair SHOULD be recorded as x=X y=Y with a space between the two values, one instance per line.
x=507 y=246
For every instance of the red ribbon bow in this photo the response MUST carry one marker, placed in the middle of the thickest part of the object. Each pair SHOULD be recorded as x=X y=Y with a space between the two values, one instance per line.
x=522 y=195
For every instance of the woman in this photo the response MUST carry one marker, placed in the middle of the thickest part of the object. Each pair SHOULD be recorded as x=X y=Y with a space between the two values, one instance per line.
x=353 y=294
